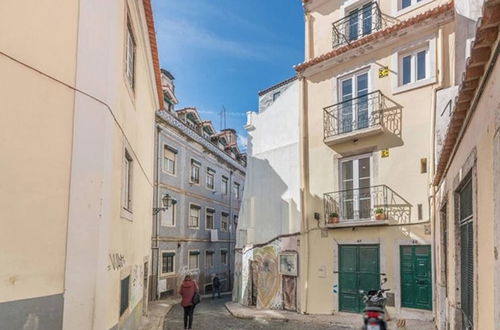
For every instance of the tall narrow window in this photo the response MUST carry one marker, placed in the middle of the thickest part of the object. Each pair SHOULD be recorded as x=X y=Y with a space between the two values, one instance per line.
x=193 y=261
x=124 y=294
x=130 y=55
x=236 y=190
x=354 y=111
x=194 y=216
x=223 y=257
x=210 y=219
x=209 y=259
x=224 y=222
x=195 y=171
x=356 y=197
x=127 y=182
x=169 y=158
x=224 y=185
x=167 y=262
x=210 y=184
x=413 y=66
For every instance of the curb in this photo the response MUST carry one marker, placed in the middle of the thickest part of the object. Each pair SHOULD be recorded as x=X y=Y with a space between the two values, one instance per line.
x=252 y=317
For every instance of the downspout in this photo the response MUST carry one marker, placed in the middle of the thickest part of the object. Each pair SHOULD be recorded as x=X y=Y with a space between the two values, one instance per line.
x=230 y=220
x=156 y=192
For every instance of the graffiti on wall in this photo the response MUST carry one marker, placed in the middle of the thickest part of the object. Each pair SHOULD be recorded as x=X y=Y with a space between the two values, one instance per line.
x=266 y=265
x=117 y=261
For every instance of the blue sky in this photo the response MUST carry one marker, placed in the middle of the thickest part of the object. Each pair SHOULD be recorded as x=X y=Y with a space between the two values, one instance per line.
x=222 y=52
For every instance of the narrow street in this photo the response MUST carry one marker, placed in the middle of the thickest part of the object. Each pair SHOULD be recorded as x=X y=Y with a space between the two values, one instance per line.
x=213 y=315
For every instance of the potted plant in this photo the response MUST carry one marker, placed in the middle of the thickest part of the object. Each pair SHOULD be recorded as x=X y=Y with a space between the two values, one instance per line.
x=379 y=213
x=333 y=218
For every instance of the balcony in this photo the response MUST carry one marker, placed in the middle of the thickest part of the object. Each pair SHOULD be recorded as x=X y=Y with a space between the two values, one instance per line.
x=366 y=115
x=359 y=23
x=370 y=206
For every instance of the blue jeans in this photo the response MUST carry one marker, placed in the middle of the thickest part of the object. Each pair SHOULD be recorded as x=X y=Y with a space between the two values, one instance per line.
x=216 y=289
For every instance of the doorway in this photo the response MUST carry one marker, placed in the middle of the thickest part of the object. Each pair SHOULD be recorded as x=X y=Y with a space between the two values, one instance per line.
x=416 y=276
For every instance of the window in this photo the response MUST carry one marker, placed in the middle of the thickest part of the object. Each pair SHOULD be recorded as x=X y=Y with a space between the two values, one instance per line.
x=276 y=95
x=224 y=222
x=223 y=257
x=194 y=216
x=168 y=216
x=124 y=294
x=127 y=182
x=210 y=219
x=407 y=3
x=413 y=66
x=167 y=262
x=210 y=179
x=355 y=184
x=236 y=190
x=130 y=55
x=224 y=185
x=236 y=220
x=354 y=111
x=209 y=259
x=195 y=171
x=194 y=259
x=361 y=21
x=169 y=156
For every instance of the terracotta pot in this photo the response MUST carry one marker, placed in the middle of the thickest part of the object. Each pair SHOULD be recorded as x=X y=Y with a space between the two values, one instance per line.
x=333 y=220
x=380 y=216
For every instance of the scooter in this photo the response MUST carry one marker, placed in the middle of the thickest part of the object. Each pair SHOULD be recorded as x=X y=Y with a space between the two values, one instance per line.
x=374 y=312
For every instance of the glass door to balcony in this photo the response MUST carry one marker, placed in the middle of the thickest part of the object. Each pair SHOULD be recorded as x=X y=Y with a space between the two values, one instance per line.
x=355 y=186
x=354 y=110
x=360 y=21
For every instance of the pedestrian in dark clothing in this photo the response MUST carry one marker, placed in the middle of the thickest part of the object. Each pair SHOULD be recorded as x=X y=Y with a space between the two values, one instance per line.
x=215 y=286
x=187 y=290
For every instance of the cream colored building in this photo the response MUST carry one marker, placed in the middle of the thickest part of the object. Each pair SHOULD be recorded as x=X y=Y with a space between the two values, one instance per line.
x=79 y=87
x=367 y=95
x=466 y=204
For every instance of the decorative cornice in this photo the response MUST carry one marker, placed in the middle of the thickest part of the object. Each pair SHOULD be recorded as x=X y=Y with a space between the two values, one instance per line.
x=175 y=122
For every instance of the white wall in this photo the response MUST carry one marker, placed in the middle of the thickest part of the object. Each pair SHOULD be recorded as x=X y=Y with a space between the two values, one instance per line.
x=271 y=201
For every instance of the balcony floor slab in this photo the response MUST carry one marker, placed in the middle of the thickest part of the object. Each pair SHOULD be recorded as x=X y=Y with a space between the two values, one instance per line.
x=358 y=223
x=354 y=135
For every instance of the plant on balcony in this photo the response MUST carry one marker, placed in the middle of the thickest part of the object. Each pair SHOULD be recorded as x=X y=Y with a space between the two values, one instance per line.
x=333 y=217
x=379 y=213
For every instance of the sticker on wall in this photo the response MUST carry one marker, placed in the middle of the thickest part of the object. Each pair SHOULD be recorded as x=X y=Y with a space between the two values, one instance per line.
x=383 y=72
x=335 y=287
x=384 y=153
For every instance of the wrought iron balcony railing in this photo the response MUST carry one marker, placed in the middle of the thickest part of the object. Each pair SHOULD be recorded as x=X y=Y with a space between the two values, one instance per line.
x=364 y=204
x=359 y=23
x=362 y=112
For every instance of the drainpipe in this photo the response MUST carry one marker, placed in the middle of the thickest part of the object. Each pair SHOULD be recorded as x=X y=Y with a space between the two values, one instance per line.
x=156 y=198
x=230 y=220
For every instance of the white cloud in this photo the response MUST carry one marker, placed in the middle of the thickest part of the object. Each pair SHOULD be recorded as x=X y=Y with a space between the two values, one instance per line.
x=242 y=142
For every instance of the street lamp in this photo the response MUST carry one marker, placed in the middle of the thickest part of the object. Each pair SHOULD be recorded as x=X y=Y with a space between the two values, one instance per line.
x=167 y=201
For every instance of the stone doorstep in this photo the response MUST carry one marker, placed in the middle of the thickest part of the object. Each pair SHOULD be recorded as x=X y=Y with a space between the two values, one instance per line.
x=157 y=311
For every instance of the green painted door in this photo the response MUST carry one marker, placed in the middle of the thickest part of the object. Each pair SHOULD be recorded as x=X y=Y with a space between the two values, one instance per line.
x=358 y=270
x=416 y=277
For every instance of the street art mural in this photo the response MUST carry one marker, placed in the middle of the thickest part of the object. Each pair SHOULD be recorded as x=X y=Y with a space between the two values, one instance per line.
x=259 y=275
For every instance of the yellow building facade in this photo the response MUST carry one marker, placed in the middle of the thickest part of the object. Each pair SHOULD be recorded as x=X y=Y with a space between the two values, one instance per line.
x=367 y=97
x=79 y=90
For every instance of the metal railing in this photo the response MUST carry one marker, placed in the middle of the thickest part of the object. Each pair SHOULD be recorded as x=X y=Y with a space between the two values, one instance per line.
x=364 y=111
x=359 y=23
x=362 y=204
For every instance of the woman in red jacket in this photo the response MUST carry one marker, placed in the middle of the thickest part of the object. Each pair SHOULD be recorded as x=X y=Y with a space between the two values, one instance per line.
x=187 y=291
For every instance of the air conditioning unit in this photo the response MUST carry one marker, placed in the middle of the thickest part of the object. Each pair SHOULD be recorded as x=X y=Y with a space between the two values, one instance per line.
x=214 y=235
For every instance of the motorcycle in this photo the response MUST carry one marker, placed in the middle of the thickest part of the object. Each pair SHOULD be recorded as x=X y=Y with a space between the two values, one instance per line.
x=374 y=312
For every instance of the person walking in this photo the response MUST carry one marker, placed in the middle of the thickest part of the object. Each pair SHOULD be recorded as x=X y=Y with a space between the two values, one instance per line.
x=187 y=290
x=216 y=286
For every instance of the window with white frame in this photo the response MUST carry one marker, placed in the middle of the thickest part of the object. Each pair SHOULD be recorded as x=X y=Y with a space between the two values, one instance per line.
x=167 y=262
x=168 y=216
x=209 y=259
x=127 y=182
x=130 y=55
x=194 y=216
x=210 y=219
x=193 y=261
x=403 y=4
x=210 y=182
x=223 y=257
x=414 y=66
x=276 y=95
x=354 y=111
x=224 y=185
x=356 y=201
x=236 y=190
x=224 y=222
x=361 y=21
x=195 y=171
x=169 y=158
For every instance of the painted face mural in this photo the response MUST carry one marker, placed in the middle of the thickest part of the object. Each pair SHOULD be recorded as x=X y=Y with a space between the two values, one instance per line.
x=268 y=280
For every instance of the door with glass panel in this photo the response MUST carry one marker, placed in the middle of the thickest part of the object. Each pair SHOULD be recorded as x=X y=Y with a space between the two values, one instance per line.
x=355 y=196
x=354 y=109
x=361 y=21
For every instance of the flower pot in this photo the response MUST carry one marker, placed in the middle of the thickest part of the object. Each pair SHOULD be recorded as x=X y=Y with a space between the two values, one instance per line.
x=333 y=220
x=380 y=216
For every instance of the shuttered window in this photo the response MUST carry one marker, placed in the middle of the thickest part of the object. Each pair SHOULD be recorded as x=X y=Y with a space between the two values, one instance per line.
x=194 y=216
x=169 y=156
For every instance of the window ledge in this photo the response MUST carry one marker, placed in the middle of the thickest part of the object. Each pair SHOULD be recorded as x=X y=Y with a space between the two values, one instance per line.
x=401 y=12
x=414 y=85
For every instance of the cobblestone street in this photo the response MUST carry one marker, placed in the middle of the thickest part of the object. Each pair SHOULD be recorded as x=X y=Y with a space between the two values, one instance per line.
x=213 y=315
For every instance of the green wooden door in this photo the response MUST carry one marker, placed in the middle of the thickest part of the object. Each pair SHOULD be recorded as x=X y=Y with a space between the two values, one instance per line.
x=416 y=277
x=358 y=270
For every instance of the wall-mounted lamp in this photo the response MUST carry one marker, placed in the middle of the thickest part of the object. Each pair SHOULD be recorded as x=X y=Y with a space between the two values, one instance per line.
x=167 y=201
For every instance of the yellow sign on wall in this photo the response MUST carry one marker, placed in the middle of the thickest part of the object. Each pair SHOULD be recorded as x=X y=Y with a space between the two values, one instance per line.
x=384 y=153
x=383 y=72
